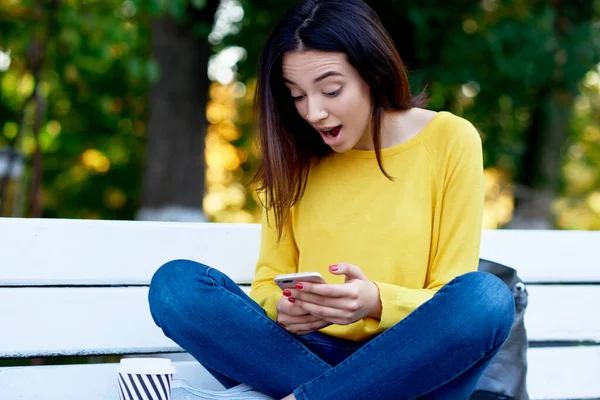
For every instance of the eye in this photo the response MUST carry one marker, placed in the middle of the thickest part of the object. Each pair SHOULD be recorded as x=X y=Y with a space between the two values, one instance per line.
x=334 y=93
x=297 y=98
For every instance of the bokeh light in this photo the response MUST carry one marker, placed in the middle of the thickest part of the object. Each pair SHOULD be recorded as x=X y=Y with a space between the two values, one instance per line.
x=226 y=198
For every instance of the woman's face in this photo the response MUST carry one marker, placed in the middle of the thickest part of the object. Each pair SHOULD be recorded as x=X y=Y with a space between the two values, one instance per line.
x=331 y=95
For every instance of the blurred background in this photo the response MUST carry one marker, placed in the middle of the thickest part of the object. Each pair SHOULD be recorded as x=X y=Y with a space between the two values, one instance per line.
x=143 y=109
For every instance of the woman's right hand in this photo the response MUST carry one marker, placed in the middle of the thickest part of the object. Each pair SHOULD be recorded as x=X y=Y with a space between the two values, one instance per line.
x=296 y=320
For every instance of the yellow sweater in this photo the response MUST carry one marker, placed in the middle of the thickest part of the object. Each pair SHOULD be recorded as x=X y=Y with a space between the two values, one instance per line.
x=410 y=236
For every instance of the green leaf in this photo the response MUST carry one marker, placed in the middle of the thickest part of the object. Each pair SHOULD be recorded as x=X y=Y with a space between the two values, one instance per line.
x=135 y=67
x=157 y=6
x=177 y=9
x=153 y=71
x=199 y=4
x=202 y=29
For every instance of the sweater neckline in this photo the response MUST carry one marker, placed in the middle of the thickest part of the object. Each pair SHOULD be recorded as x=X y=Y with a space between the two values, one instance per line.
x=400 y=147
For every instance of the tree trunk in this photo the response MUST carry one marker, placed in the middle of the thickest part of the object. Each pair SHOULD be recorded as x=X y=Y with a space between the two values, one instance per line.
x=173 y=186
x=539 y=174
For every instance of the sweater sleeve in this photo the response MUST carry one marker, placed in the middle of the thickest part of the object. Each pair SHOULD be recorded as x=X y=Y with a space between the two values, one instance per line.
x=275 y=257
x=456 y=236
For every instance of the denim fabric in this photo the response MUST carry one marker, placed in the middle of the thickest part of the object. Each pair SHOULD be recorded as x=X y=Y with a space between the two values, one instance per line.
x=438 y=352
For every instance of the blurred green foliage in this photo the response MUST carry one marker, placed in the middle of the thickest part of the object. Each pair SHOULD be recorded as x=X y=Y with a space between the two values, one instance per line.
x=94 y=86
x=504 y=65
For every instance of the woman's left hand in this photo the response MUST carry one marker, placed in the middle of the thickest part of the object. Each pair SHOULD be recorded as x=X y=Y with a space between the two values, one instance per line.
x=341 y=304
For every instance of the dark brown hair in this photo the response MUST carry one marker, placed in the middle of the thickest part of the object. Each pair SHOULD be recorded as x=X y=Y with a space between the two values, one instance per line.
x=288 y=144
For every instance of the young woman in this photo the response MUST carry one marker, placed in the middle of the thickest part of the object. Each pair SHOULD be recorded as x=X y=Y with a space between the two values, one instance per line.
x=383 y=198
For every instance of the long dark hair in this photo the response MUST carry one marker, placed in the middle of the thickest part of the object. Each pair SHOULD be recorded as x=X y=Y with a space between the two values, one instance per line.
x=288 y=144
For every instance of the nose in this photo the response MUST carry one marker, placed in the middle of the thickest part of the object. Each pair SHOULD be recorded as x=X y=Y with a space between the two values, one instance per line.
x=316 y=112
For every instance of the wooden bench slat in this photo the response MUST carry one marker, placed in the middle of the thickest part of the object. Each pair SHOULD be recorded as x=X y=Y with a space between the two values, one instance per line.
x=565 y=312
x=42 y=321
x=78 y=321
x=545 y=255
x=554 y=373
x=85 y=252
x=87 y=381
x=564 y=373
x=72 y=252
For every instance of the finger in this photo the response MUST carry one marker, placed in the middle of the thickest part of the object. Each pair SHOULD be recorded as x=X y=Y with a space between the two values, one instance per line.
x=288 y=320
x=309 y=331
x=324 y=291
x=286 y=307
x=304 y=329
x=332 y=315
x=294 y=310
x=351 y=271
x=339 y=303
x=302 y=319
x=284 y=319
x=348 y=301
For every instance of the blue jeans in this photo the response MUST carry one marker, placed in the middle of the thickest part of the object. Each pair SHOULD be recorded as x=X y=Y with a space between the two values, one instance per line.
x=438 y=352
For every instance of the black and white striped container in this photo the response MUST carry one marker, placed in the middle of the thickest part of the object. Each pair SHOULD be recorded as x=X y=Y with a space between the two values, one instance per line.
x=145 y=378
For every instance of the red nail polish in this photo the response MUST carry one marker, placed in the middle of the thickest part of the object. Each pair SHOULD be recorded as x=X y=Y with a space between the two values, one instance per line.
x=333 y=267
x=287 y=293
x=299 y=286
x=291 y=299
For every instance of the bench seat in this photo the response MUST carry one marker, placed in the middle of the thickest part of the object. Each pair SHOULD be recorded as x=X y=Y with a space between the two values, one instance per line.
x=79 y=288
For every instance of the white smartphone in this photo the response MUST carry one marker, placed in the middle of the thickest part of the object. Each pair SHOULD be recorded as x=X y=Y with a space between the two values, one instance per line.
x=287 y=281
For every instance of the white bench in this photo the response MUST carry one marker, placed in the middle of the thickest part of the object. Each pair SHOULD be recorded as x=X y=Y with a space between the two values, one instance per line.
x=79 y=288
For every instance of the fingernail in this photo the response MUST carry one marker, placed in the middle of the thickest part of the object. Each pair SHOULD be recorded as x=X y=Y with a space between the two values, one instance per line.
x=287 y=293
x=299 y=286
x=291 y=299
x=333 y=267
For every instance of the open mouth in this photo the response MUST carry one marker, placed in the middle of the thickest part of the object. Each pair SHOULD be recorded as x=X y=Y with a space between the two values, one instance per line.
x=331 y=133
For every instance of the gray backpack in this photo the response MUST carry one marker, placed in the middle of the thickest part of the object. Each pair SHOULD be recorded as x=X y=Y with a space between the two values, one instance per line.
x=505 y=377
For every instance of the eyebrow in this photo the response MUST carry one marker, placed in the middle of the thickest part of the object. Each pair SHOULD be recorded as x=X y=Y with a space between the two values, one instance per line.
x=318 y=78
